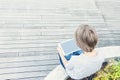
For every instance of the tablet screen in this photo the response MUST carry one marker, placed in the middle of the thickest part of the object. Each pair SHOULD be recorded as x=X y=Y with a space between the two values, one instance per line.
x=69 y=46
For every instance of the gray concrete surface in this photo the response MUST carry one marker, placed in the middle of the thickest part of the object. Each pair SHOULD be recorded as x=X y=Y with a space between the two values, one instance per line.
x=31 y=28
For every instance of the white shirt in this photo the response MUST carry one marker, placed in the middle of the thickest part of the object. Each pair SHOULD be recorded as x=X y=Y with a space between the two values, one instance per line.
x=82 y=66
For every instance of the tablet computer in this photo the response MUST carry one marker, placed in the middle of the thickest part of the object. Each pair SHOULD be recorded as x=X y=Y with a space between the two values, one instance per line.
x=68 y=46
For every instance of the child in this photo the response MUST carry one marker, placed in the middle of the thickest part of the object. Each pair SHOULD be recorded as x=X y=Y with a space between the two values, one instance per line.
x=87 y=63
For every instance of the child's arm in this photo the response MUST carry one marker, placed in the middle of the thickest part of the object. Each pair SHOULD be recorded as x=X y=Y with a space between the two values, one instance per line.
x=64 y=60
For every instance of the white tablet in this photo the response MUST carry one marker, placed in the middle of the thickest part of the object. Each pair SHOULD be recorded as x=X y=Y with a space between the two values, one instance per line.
x=69 y=46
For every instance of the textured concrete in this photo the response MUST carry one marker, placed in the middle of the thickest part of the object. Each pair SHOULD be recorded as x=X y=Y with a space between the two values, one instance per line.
x=47 y=4
x=34 y=27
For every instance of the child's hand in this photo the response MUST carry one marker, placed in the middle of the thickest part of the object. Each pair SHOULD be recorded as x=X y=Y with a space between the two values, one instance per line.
x=60 y=52
x=59 y=49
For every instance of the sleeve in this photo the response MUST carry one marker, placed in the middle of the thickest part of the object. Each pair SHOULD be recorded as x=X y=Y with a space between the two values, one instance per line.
x=70 y=68
x=69 y=65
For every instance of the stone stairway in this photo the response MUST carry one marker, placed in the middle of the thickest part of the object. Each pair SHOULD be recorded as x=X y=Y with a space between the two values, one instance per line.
x=26 y=68
x=31 y=29
x=110 y=10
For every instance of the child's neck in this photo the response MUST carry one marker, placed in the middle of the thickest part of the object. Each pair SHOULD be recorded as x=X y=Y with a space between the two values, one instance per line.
x=93 y=53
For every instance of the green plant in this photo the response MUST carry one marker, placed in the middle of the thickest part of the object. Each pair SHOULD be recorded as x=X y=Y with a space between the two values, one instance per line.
x=110 y=72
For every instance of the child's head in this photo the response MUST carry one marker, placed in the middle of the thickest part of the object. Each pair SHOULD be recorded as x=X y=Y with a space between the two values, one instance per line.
x=86 y=37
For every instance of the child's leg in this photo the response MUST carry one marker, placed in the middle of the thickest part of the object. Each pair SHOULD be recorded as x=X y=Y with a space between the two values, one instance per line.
x=61 y=61
x=67 y=57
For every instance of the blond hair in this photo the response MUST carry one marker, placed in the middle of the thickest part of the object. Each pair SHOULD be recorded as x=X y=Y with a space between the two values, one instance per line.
x=86 y=37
